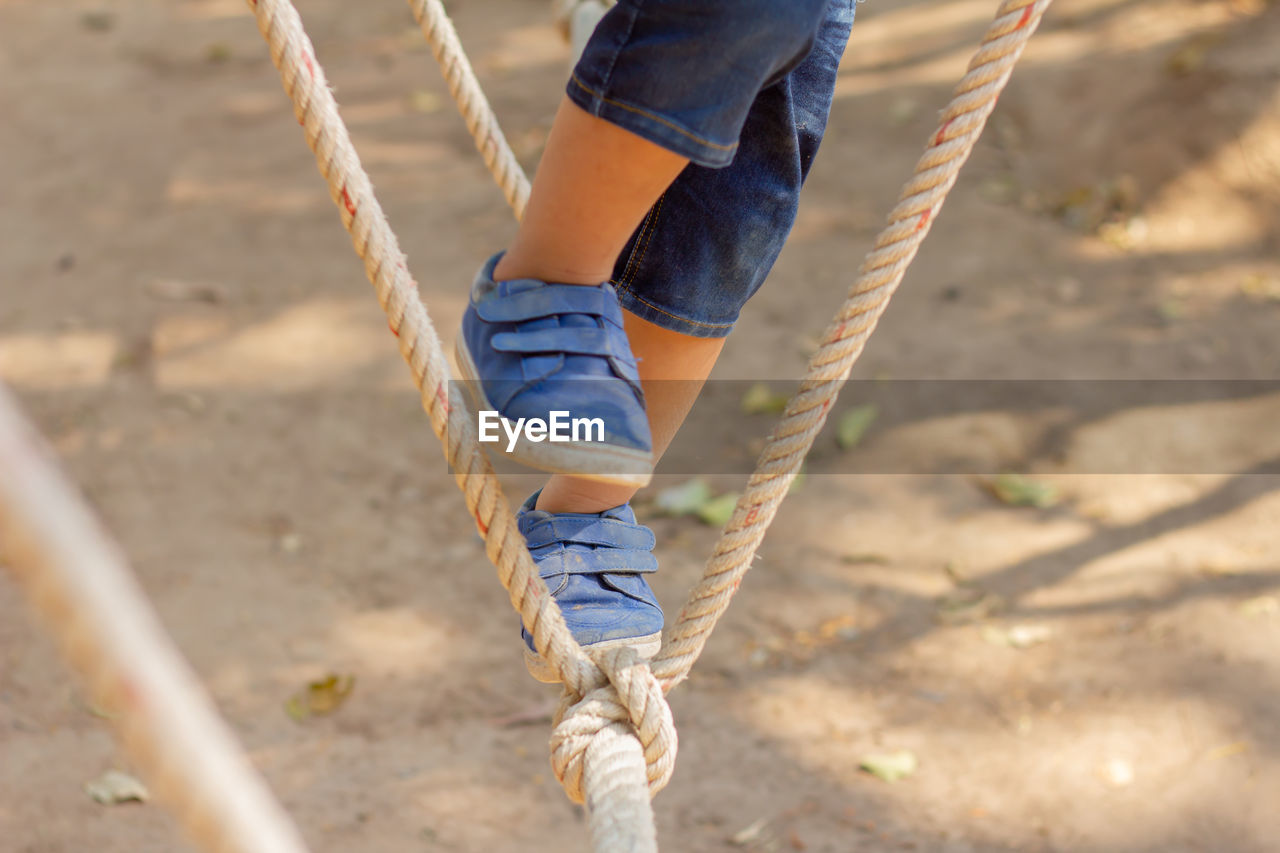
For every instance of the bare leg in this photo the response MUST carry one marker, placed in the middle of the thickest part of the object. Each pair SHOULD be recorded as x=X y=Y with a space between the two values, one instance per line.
x=663 y=355
x=594 y=184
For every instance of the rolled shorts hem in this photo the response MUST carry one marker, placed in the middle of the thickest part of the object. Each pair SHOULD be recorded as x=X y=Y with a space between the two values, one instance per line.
x=651 y=126
x=667 y=319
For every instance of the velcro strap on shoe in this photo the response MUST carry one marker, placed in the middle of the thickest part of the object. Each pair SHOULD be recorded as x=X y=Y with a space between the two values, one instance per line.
x=590 y=531
x=600 y=561
x=575 y=340
x=550 y=300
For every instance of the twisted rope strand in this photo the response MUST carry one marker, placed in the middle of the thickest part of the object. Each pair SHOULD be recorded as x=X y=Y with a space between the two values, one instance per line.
x=895 y=247
x=74 y=574
x=472 y=103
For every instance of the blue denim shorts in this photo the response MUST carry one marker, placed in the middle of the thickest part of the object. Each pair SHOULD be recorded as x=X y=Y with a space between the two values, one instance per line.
x=743 y=89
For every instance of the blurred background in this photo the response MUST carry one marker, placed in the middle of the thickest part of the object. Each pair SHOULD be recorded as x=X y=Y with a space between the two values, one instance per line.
x=1030 y=658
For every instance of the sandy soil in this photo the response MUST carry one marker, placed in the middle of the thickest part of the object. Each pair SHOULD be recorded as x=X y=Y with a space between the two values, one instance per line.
x=182 y=314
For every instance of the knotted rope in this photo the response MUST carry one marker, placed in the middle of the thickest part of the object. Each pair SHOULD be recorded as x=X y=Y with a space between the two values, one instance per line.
x=633 y=697
x=614 y=737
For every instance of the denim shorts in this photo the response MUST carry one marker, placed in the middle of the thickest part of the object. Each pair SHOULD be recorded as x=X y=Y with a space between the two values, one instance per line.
x=740 y=87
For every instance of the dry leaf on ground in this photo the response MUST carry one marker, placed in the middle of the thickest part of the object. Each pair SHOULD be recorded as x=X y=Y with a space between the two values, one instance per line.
x=320 y=697
x=760 y=399
x=1017 y=490
x=114 y=787
x=890 y=766
x=854 y=424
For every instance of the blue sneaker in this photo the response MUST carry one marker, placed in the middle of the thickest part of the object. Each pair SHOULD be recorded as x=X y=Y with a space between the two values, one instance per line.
x=556 y=353
x=594 y=564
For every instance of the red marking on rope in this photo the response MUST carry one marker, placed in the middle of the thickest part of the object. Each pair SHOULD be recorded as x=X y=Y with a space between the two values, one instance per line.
x=311 y=68
x=442 y=399
x=840 y=331
x=481 y=526
x=924 y=220
x=348 y=203
x=737 y=582
x=1026 y=16
x=393 y=329
x=826 y=406
x=751 y=516
x=942 y=132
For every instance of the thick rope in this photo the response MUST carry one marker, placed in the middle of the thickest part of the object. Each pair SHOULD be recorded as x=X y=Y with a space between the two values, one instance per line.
x=895 y=247
x=471 y=101
x=610 y=751
x=76 y=577
x=633 y=696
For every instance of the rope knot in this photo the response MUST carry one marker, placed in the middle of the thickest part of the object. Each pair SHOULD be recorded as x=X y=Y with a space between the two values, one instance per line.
x=631 y=702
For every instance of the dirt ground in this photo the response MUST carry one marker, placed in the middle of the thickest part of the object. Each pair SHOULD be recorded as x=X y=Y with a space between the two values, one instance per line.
x=183 y=316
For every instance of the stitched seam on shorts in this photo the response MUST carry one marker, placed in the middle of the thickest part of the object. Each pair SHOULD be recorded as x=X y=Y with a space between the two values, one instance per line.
x=649 y=239
x=628 y=271
x=638 y=298
x=631 y=256
x=646 y=237
x=573 y=78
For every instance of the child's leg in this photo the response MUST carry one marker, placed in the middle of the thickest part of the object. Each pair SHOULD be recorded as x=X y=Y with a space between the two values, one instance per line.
x=594 y=184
